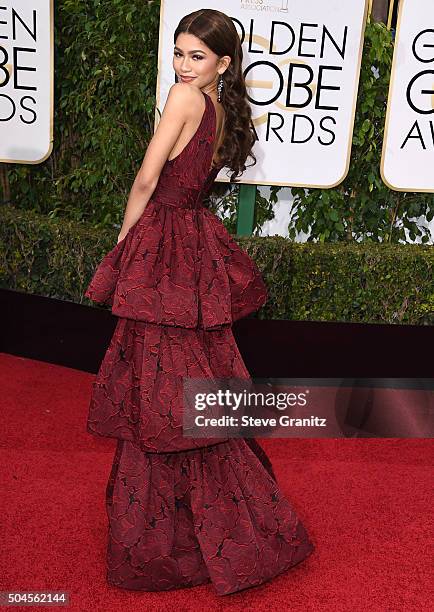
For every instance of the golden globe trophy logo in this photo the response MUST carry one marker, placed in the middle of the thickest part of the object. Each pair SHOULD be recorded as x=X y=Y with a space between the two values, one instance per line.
x=301 y=62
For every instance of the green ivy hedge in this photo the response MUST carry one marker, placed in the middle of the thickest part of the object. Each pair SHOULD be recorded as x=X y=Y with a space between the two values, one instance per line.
x=369 y=283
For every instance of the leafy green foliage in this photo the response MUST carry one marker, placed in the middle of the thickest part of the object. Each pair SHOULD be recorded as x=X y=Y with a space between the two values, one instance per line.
x=306 y=281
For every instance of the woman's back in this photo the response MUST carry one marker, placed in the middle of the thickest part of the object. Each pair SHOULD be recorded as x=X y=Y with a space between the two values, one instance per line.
x=178 y=265
x=186 y=178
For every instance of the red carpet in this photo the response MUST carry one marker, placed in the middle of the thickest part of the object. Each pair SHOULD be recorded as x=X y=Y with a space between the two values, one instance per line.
x=367 y=504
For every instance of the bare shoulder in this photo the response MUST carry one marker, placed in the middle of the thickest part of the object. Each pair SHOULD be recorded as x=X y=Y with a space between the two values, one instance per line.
x=187 y=98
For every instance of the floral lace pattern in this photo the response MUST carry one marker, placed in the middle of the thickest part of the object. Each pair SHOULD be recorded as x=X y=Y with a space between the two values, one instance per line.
x=178 y=265
x=183 y=519
x=138 y=391
x=183 y=511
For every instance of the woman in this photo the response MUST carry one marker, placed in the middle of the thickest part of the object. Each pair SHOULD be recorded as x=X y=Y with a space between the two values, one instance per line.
x=185 y=511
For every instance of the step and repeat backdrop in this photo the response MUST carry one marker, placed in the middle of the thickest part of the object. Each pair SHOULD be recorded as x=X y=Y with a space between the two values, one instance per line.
x=408 y=146
x=26 y=80
x=302 y=64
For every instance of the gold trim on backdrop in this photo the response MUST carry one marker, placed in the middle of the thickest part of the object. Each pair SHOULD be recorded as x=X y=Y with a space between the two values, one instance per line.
x=160 y=46
x=353 y=113
x=390 y=15
x=386 y=126
x=51 y=141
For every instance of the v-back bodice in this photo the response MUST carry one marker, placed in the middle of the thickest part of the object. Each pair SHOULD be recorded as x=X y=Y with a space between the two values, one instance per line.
x=187 y=178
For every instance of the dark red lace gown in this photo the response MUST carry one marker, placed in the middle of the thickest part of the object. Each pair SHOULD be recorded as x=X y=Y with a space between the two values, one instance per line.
x=183 y=511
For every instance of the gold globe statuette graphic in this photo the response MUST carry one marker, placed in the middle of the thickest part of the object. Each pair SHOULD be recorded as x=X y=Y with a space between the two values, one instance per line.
x=263 y=42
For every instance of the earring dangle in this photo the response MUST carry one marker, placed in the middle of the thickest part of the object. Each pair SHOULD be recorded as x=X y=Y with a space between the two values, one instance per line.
x=220 y=89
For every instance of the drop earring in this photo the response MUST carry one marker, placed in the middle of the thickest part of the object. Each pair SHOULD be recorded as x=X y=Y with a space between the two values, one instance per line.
x=220 y=89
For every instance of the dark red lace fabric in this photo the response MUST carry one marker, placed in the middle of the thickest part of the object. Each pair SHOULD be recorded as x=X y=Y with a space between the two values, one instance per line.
x=178 y=265
x=183 y=519
x=183 y=511
x=138 y=392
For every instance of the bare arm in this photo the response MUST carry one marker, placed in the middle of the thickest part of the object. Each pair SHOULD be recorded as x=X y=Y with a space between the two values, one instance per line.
x=177 y=111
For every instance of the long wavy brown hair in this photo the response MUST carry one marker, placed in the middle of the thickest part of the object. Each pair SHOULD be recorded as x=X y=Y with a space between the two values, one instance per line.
x=219 y=34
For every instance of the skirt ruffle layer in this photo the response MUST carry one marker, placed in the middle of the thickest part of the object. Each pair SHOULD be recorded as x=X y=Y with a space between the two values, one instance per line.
x=178 y=267
x=138 y=392
x=212 y=514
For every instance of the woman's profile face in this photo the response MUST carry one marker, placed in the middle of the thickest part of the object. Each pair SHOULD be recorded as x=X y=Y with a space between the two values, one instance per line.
x=193 y=60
